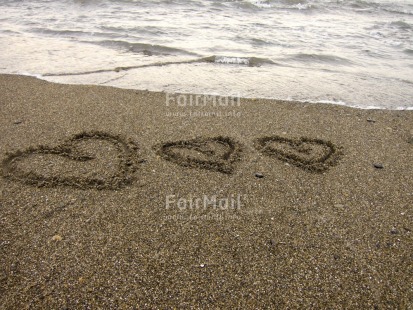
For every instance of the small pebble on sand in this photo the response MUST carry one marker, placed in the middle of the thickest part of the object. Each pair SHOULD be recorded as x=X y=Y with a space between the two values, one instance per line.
x=259 y=175
x=378 y=166
x=394 y=231
x=57 y=238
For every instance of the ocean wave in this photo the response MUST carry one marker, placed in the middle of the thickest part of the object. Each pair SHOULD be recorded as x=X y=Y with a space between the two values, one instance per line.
x=62 y=32
x=144 y=48
x=354 y=5
x=257 y=5
x=353 y=105
x=146 y=30
x=405 y=81
x=7 y=31
x=76 y=34
x=402 y=25
x=361 y=4
x=261 y=4
x=243 y=61
x=408 y=51
x=268 y=4
x=232 y=60
x=321 y=58
x=396 y=10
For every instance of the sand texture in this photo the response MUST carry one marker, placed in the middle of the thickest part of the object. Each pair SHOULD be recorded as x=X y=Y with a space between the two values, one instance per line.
x=102 y=202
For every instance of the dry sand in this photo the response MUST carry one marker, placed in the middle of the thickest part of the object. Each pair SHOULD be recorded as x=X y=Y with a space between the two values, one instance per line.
x=87 y=172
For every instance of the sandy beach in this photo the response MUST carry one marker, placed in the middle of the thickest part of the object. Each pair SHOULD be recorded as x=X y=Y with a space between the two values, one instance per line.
x=126 y=199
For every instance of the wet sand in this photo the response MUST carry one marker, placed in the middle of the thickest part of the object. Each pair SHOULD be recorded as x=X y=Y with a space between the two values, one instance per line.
x=107 y=201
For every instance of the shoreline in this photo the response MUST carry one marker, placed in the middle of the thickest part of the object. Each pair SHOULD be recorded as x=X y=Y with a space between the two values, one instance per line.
x=328 y=102
x=108 y=201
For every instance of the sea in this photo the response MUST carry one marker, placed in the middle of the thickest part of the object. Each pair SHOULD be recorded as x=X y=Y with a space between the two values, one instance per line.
x=357 y=53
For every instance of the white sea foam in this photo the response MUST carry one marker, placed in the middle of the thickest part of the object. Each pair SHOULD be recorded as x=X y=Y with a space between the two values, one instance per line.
x=232 y=60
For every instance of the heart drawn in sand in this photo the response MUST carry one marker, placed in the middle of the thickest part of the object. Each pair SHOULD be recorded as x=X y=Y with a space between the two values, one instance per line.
x=87 y=160
x=313 y=155
x=215 y=154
